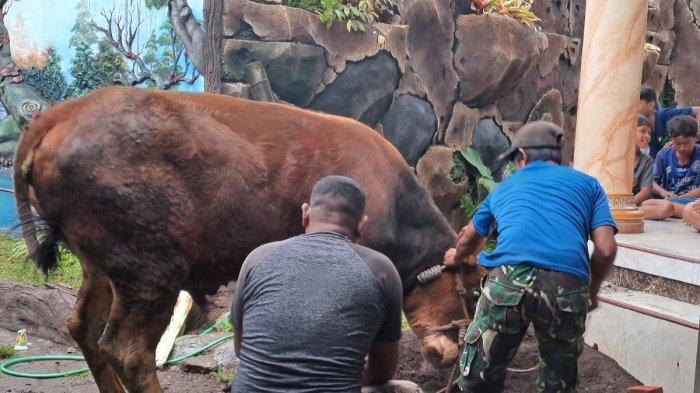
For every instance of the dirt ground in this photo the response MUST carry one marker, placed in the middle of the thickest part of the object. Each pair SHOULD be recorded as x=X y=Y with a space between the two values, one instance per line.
x=172 y=380
x=598 y=373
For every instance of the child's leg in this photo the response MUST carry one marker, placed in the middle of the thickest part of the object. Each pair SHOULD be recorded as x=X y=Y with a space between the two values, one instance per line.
x=657 y=209
x=691 y=215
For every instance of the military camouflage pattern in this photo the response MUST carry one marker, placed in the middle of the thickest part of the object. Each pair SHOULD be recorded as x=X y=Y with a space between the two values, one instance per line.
x=513 y=297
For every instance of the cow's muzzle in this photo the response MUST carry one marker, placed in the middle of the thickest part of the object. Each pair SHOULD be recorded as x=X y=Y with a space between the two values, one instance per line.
x=439 y=350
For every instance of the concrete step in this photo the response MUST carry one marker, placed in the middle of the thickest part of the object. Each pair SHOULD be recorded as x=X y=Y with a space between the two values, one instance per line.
x=652 y=337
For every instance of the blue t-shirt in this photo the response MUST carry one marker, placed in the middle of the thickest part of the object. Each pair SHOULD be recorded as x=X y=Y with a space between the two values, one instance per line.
x=661 y=119
x=544 y=214
x=671 y=176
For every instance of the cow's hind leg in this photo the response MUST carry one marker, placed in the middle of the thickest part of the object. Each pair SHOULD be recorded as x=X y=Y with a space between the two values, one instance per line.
x=136 y=322
x=87 y=323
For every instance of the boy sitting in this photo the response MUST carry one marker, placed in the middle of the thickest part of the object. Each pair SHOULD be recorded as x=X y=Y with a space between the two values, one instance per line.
x=642 y=177
x=676 y=171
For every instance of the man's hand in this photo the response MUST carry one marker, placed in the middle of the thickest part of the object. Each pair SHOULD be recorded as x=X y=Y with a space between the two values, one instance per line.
x=594 y=303
x=668 y=195
x=449 y=260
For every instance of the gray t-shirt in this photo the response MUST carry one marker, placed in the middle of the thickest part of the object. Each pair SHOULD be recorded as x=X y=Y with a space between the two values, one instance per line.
x=642 y=175
x=309 y=309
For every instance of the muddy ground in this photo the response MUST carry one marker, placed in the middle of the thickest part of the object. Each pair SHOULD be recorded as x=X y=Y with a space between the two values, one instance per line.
x=598 y=373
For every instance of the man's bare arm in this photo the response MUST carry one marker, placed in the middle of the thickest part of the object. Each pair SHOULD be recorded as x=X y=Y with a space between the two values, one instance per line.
x=469 y=242
x=604 y=251
x=237 y=343
x=642 y=195
x=381 y=363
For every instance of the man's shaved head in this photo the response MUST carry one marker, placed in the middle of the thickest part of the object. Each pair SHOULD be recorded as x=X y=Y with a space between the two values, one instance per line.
x=339 y=199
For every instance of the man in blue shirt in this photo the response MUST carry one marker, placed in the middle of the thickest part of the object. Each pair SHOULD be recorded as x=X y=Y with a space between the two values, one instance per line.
x=540 y=271
x=676 y=171
x=659 y=118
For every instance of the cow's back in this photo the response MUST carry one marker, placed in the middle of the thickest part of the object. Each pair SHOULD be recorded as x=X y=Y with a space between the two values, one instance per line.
x=200 y=179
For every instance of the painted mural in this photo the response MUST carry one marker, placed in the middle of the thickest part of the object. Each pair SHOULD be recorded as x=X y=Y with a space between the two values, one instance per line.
x=52 y=51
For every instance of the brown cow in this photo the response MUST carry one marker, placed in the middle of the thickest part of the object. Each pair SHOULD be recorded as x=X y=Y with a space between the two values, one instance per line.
x=158 y=191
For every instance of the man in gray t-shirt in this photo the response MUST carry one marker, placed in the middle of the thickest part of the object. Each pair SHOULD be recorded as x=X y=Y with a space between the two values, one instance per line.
x=308 y=310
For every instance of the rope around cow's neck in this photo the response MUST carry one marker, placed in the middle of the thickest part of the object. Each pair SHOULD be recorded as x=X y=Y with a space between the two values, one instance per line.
x=431 y=274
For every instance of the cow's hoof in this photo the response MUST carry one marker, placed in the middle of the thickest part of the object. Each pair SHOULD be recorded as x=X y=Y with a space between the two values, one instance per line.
x=439 y=350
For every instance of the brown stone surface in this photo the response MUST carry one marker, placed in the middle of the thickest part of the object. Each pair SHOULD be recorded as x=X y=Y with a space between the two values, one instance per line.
x=240 y=90
x=665 y=41
x=459 y=131
x=43 y=312
x=658 y=78
x=510 y=128
x=433 y=172
x=549 y=108
x=650 y=59
x=684 y=63
x=273 y=22
x=507 y=51
x=430 y=40
x=666 y=16
x=553 y=14
x=294 y=70
x=557 y=46
x=577 y=12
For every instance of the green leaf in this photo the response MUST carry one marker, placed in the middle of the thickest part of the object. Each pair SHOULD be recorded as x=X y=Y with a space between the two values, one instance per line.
x=488 y=183
x=472 y=156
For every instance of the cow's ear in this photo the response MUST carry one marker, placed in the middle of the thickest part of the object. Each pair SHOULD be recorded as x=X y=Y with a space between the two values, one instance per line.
x=305 y=209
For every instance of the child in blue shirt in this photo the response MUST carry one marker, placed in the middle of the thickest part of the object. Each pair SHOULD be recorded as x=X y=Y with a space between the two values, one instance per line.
x=676 y=171
x=659 y=118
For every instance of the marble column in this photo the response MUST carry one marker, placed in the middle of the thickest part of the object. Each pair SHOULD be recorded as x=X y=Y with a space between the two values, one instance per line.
x=611 y=71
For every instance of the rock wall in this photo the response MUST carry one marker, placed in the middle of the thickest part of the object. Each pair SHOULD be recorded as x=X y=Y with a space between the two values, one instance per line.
x=440 y=79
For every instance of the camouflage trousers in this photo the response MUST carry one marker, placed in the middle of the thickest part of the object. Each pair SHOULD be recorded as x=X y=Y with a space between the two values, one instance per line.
x=512 y=297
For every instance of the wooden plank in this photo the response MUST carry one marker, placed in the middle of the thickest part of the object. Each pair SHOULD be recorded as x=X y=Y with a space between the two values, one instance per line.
x=174 y=329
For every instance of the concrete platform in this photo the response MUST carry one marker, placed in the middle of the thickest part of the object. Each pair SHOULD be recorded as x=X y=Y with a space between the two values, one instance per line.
x=654 y=337
x=666 y=249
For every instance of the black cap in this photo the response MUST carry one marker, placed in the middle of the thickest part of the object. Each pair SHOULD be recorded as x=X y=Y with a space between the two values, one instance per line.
x=537 y=134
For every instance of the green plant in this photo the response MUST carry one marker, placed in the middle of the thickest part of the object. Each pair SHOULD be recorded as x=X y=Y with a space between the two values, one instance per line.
x=485 y=180
x=14 y=266
x=223 y=375
x=6 y=351
x=356 y=14
x=516 y=9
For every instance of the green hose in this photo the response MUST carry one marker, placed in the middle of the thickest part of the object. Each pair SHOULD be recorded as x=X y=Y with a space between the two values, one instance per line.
x=5 y=367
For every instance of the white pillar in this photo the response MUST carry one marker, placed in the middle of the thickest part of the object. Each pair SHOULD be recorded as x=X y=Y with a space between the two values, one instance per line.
x=611 y=73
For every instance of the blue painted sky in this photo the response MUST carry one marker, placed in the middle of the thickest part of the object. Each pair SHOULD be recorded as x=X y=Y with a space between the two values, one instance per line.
x=34 y=24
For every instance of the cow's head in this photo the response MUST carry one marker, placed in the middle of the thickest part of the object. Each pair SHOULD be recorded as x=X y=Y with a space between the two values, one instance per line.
x=437 y=304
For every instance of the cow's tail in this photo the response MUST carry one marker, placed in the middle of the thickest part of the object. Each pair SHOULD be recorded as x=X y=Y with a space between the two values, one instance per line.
x=44 y=253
